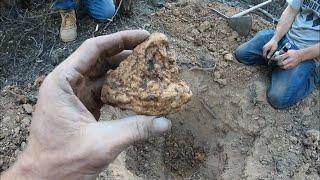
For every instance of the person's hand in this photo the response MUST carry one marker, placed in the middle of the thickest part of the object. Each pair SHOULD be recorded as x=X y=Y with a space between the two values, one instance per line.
x=289 y=59
x=66 y=141
x=269 y=49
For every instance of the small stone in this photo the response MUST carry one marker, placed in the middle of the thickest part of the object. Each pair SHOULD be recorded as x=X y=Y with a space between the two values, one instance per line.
x=307 y=112
x=26 y=121
x=37 y=83
x=195 y=31
x=313 y=135
x=222 y=82
x=23 y=145
x=28 y=108
x=204 y=26
x=6 y=119
x=228 y=57
x=2 y=135
x=293 y=139
x=22 y=99
x=217 y=74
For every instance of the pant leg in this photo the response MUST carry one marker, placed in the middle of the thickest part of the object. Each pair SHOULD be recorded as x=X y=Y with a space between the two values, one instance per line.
x=101 y=10
x=292 y=85
x=65 y=4
x=251 y=52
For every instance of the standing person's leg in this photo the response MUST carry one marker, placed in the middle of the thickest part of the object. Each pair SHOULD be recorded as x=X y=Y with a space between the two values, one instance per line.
x=64 y=4
x=101 y=10
x=68 y=29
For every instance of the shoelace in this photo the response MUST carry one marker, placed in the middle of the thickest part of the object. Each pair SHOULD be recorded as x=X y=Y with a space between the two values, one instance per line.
x=68 y=19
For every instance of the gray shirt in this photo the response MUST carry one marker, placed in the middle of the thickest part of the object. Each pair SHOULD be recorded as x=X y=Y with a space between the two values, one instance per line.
x=305 y=30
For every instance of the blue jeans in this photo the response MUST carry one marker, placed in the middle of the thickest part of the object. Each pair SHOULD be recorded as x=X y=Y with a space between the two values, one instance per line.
x=101 y=10
x=287 y=86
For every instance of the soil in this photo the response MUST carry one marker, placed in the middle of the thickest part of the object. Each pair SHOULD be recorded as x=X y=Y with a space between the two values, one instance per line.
x=227 y=130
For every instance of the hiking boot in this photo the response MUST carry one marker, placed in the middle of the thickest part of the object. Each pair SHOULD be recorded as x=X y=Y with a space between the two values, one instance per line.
x=68 y=29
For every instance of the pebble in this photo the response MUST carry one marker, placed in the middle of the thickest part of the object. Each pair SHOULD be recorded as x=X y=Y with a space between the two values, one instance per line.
x=307 y=112
x=195 y=31
x=6 y=119
x=293 y=139
x=28 y=108
x=22 y=99
x=228 y=57
x=313 y=134
x=221 y=81
x=204 y=26
x=26 y=121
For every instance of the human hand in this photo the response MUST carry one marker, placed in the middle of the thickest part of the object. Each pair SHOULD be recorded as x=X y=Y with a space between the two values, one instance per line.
x=66 y=141
x=289 y=59
x=269 y=49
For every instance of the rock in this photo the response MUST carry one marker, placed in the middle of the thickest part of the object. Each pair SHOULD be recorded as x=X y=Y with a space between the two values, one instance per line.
x=293 y=139
x=217 y=74
x=307 y=112
x=37 y=83
x=26 y=121
x=23 y=145
x=195 y=32
x=22 y=99
x=228 y=57
x=6 y=119
x=28 y=108
x=313 y=135
x=204 y=26
x=222 y=82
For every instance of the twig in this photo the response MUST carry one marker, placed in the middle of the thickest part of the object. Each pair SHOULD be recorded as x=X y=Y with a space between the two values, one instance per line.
x=205 y=105
x=41 y=15
x=111 y=20
x=202 y=69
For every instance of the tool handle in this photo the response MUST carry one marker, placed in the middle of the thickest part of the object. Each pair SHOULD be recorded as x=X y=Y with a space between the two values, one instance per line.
x=252 y=9
x=218 y=13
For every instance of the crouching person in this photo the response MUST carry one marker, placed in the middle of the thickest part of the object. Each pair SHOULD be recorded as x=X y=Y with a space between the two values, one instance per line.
x=294 y=48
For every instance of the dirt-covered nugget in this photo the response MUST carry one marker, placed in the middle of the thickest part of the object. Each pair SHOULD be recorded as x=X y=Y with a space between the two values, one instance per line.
x=147 y=82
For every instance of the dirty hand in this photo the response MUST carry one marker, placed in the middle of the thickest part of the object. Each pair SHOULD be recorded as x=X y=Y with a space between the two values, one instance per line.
x=269 y=49
x=66 y=141
x=289 y=59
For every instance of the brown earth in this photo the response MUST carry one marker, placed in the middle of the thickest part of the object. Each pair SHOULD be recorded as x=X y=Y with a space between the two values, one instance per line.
x=227 y=130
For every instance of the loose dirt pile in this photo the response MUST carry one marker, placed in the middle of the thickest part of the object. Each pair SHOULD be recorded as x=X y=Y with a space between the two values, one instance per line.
x=227 y=131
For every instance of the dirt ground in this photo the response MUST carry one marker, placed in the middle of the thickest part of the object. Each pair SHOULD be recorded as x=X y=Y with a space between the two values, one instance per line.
x=227 y=131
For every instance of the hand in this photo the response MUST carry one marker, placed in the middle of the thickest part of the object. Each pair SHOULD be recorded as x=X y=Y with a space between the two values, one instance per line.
x=269 y=49
x=289 y=59
x=66 y=141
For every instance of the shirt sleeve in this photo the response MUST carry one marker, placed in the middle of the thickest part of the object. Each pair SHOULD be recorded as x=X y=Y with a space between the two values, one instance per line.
x=295 y=4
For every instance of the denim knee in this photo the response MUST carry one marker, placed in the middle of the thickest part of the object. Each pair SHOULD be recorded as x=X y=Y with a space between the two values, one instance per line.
x=277 y=99
x=240 y=55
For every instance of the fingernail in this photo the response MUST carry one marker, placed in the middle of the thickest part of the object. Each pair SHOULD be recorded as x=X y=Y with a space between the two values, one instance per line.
x=161 y=124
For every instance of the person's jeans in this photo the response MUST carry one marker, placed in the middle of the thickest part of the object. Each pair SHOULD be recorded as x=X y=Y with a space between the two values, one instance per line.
x=101 y=10
x=287 y=86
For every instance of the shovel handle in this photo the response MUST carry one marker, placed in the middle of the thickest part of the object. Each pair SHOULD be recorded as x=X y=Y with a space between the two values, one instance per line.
x=251 y=9
x=218 y=13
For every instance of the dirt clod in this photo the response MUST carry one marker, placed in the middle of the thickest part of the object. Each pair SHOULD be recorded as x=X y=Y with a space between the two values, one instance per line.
x=147 y=81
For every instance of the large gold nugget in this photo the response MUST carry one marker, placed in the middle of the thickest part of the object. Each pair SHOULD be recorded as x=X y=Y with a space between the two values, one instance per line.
x=147 y=82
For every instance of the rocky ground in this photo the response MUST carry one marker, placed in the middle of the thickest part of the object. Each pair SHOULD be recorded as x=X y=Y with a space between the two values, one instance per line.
x=227 y=131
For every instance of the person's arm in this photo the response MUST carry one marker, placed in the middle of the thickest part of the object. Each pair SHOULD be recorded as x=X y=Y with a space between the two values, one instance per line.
x=286 y=20
x=312 y=52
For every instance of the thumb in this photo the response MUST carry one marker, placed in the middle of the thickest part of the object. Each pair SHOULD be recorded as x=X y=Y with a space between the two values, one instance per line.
x=120 y=134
